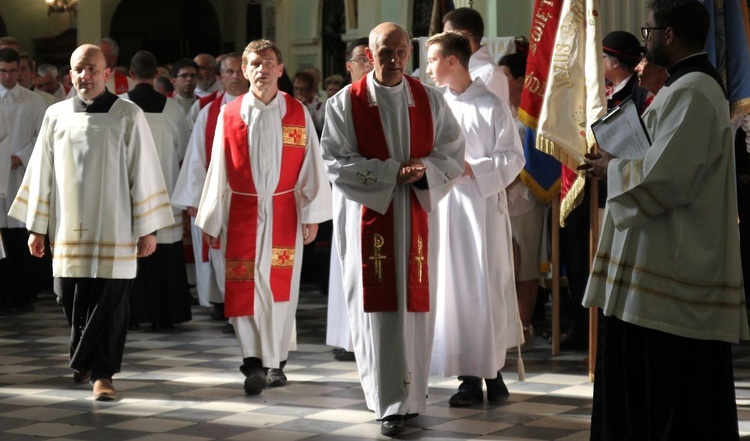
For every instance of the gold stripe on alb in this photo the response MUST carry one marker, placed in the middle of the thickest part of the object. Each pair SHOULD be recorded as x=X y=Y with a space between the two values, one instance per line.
x=151 y=197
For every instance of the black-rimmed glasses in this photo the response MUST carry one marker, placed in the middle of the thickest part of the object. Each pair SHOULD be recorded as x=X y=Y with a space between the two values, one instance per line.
x=646 y=31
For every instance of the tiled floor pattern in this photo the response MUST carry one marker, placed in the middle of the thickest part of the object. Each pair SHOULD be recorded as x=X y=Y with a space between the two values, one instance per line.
x=184 y=385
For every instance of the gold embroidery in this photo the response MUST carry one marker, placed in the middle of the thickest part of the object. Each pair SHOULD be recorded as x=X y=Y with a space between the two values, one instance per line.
x=377 y=243
x=295 y=136
x=151 y=211
x=153 y=196
x=419 y=257
x=282 y=257
x=240 y=270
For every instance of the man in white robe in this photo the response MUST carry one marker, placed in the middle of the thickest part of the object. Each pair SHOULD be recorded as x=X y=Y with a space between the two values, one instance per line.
x=160 y=293
x=94 y=185
x=481 y=64
x=209 y=261
x=184 y=80
x=393 y=338
x=265 y=193
x=667 y=273
x=24 y=111
x=477 y=309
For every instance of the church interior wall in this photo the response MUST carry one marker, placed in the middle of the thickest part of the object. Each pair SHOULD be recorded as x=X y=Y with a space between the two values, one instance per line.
x=296 y=23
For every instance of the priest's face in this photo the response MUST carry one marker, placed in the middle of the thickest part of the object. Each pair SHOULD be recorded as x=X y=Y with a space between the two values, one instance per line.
x=390 y=54
x=655 y=43
x=437 y=65
x=8 y=74
x=232 y=79
x=263 y=70
x=185 y=81
x=89 y=71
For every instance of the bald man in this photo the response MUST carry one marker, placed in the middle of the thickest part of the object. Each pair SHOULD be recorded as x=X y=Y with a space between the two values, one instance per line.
x=207 y=80
x=94 y=183
x=393 y=149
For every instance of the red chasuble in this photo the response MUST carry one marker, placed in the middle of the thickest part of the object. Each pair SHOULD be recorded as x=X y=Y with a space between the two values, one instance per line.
x=378 y=250
x=243 y=208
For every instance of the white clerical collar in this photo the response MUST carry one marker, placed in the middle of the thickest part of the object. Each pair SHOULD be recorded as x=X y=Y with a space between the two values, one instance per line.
x=13 y=91
x=250 y=103
x=228 y=98
x=374 y=88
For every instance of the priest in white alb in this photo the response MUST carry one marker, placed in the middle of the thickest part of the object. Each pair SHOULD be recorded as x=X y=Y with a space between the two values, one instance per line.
x=393 y=149
x=477 y=311
x=265 y=193
x=94 y=184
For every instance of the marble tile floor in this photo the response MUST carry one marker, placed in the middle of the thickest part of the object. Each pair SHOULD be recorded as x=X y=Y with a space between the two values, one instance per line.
x=184 y=385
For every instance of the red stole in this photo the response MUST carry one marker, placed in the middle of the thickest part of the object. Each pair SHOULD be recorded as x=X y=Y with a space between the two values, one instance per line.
x=378 y=250
x=243 y=209
x=121 y=84
x=213 y=117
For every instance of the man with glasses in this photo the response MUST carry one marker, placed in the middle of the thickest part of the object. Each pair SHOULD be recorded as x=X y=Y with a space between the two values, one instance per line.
x=25 y=111
x=357 y=63
x=667 y=273
x=185 y=80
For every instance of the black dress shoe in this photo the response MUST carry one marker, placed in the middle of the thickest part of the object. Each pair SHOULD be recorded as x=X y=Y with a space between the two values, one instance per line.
x=497 y=391
x=82 y=376
x=469 y=393
x=343 y=355
x=392 y=425
x=228 y=329
x=275 y=378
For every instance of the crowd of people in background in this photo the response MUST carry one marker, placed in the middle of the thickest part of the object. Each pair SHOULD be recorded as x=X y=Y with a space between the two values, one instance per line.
x=221 y=171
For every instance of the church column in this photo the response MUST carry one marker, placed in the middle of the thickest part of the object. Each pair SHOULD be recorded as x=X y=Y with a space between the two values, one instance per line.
x=89 y=21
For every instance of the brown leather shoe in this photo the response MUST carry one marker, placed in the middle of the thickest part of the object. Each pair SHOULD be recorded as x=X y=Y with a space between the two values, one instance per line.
x=82 y=376
x=103 y=390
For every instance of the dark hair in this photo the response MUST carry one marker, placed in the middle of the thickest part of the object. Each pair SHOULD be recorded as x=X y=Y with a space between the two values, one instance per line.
x=182 y=63
x=516 y=64
x=467 y=20
x=688 y=19
x=143 y=64
x=8 y=55
x=306 y=77
x=165 y=83
x=453 y=43
x=353 y=45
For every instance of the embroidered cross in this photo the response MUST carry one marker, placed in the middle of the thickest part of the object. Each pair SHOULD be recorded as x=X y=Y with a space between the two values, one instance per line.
x=284 y=257
x=296 y=137
x=80 y=230
x=377 y=243
x=419 y=257
x=367 y=176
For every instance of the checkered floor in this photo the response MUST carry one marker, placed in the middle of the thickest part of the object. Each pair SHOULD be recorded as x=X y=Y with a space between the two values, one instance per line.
x=184 y=385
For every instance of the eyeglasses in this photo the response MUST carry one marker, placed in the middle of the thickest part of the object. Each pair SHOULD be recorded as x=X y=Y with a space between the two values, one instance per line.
x=360 y=60
x=8 y=71
x=186 y=76
x=646 y=31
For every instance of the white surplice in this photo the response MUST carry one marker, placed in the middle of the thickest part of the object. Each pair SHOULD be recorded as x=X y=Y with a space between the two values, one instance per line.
x=392 y=348
x=268 y=333
x=187 y=193
x=24 y=111
x=477 y=310
x=94 y=183
x=482 y=66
